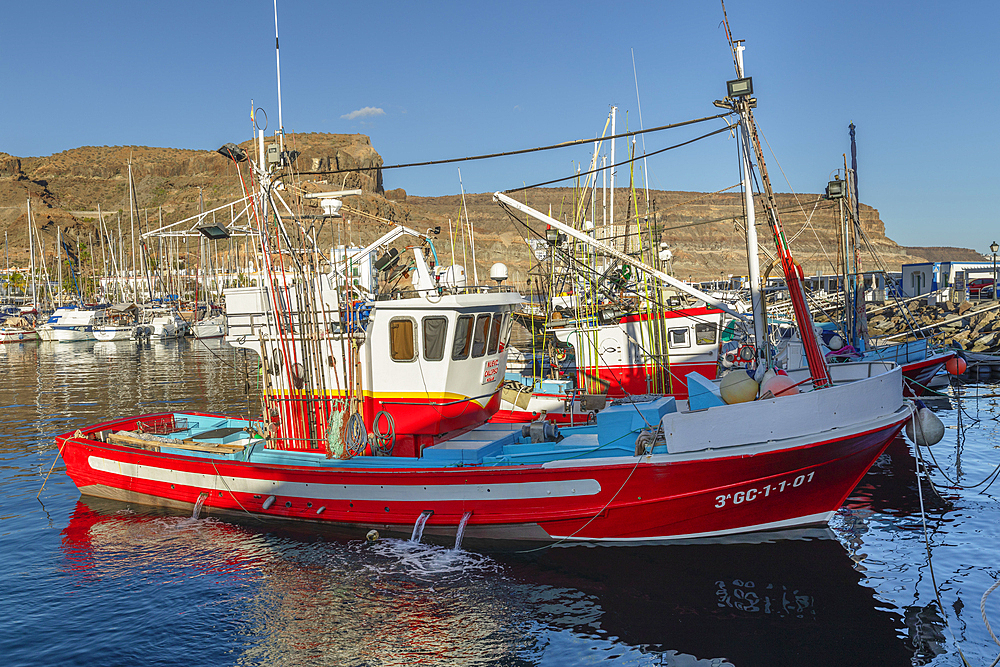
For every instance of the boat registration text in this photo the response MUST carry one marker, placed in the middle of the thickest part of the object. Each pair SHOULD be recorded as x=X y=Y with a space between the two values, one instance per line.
x=752 y=494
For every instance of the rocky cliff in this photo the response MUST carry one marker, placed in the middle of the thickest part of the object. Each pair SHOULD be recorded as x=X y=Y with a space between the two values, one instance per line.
x=702 y=230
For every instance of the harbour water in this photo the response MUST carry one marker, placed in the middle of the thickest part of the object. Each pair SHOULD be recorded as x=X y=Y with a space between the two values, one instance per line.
x=95 y=583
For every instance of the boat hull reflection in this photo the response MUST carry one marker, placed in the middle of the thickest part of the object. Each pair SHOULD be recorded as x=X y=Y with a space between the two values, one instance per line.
x=780 y=601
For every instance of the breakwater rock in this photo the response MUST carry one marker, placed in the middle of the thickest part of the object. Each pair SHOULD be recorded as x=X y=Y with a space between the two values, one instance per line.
x=970 y=326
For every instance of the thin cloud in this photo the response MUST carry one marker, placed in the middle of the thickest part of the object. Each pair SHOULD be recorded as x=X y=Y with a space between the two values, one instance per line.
x=364 y=112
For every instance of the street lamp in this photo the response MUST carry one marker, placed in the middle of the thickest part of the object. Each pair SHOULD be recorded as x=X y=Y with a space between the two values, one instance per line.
x=994 y=248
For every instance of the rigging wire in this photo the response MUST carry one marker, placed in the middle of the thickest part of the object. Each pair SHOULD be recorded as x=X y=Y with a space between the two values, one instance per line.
x=808 y=222
x=727 y=128
x=927 y=541
x=565 y=144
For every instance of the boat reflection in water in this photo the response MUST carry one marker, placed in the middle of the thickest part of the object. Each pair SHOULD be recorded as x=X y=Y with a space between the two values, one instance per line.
x=296 y=596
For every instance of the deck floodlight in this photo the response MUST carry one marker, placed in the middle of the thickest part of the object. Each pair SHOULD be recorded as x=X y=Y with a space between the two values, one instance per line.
x=233 y=152
x=214 y=231
x=740 y=87
x=835 y=189
x=387 y=261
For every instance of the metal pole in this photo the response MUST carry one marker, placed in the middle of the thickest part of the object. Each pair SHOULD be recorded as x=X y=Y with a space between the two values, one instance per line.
x=614 y=243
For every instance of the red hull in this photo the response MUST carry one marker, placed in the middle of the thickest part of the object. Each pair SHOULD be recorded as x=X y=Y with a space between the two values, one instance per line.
x=616 y=500
x=629 y=380
x=418 y=422
x=917 y=375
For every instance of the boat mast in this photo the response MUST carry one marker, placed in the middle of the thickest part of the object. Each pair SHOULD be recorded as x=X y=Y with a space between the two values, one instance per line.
x=860 y=324
x=59 y=264
x=472 y=236
x=131 y=223
x=31 y=259
x=753 y=261
x=101 y=237
x=793 y=272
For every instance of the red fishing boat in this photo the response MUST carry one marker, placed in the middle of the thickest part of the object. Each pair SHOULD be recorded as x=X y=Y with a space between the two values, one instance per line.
x=376 y=400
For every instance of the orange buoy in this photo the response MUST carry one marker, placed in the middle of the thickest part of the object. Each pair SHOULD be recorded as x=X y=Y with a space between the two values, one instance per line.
x=956 y=365
x=778 y=385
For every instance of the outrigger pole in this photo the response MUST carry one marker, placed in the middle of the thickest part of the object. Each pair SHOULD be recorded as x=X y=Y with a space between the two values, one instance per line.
x=617 y=254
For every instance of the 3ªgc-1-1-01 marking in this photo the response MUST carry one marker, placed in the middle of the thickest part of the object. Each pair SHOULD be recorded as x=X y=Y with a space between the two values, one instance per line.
x=765 y=491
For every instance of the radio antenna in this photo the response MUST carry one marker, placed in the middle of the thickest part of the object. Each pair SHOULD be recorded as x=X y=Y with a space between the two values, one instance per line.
x=277 y=58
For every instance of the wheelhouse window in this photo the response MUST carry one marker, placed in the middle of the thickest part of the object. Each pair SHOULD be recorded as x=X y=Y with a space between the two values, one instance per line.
x=495 y=329
x=463 y=338
x=508 y=322
x=435 y=335
x=704 y=334
x=402 y=339
x=678 y=337
x=481 y=336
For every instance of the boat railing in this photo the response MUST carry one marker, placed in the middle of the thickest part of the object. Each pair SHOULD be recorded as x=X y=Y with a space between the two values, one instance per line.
x=162 y=425
x=412 y=293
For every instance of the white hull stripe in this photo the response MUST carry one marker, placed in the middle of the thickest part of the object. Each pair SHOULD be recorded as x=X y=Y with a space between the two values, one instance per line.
x=812 y=519
x=363 y=492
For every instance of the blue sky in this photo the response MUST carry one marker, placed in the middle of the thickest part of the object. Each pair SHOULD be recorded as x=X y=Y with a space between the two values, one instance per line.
x=446 y=79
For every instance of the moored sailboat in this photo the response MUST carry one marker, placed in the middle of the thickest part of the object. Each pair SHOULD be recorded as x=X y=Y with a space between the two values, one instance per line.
x=70 y=324
x=17 y=329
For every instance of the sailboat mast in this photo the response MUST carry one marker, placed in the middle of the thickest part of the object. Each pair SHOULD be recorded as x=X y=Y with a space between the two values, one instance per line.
x=131 y=222
x=59 y=264
x=472 y=236
x=101 y=237
x=31 y=259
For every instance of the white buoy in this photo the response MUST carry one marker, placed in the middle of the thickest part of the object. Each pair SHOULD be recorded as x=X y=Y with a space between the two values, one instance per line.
x=929 y=428
x=836 y=342
x=738 y=386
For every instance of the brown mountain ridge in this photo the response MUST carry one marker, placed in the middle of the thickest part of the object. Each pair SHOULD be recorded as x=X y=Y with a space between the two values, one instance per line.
x=702 y=230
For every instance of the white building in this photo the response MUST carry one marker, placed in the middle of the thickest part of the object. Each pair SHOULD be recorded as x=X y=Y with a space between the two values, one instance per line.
x=929 y=277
